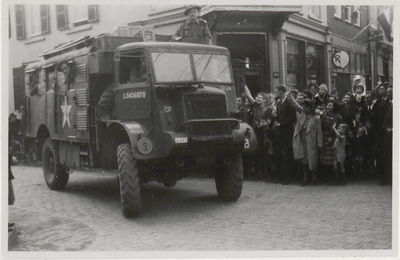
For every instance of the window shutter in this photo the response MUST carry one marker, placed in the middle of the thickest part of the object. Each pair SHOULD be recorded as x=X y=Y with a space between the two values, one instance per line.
x=92 y=13
x=20 y=21
x=62 y=17
x=18 y=78
x=44 y=18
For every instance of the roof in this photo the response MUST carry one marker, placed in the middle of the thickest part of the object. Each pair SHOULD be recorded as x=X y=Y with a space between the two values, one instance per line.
x=42 y=63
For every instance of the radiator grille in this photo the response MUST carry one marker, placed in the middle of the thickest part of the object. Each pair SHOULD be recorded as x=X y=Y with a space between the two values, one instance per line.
x=203 y=107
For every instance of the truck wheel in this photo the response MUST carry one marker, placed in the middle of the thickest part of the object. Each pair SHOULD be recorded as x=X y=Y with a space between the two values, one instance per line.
x=131 y=199
x=32 y=156
x=229 y=177
x=54 y=173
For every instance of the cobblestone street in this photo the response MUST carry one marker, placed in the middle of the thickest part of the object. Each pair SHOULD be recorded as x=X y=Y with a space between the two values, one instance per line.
x=87 y=216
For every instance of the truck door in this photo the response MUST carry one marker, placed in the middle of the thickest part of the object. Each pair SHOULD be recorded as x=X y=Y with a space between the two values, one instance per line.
x=132 y=100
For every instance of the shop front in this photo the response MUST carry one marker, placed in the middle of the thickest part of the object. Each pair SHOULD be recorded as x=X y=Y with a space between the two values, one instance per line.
x=348 y=68
x=251 y=35
x=384 y=63
x=305 y=63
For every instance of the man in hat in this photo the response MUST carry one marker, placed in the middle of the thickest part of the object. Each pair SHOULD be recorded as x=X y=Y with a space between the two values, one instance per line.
x=286 y=119
x=193 y=27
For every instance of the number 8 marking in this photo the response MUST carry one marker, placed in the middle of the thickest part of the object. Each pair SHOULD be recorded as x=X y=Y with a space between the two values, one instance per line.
x=246 y=143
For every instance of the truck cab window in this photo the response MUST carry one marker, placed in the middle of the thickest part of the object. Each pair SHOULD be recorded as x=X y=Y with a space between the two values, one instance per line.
x=65 y=70
x=132 y=69
x=33 y=82
x=50 y=79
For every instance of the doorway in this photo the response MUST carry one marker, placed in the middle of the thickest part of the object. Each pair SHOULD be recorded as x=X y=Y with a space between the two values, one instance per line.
x=343 y=84
x=254 y=78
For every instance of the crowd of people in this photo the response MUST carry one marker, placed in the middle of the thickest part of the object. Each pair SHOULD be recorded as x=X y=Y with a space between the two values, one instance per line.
x=312 y=137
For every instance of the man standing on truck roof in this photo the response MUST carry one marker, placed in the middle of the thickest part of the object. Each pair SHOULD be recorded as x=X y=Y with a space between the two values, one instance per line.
x=193 y=27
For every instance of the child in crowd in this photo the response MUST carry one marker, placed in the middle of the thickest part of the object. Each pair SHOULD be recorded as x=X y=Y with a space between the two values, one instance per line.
x=358 y=100
x=359 y=132
x=339 y=153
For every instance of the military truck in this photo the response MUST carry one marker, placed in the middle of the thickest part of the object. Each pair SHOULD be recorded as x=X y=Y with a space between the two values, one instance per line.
x=170 y=108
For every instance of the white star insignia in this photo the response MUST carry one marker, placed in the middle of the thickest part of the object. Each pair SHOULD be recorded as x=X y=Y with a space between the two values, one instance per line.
x=66 y=108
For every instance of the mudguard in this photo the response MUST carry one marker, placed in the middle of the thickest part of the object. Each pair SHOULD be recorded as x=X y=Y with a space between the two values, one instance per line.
x=250 y=139
x=143 y=147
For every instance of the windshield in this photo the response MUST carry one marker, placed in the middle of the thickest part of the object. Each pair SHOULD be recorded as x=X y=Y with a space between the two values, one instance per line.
x=176 y=67
x=212 y=68
x=172 y=67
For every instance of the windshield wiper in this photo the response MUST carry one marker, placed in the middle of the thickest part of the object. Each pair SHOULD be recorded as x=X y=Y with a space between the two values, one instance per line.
x=187 y=67
x=159 y=54
x=208 y=62
x=227 y=66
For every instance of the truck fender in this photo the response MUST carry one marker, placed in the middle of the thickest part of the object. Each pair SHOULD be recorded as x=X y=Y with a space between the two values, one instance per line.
x=142 y=147
x=250 y=139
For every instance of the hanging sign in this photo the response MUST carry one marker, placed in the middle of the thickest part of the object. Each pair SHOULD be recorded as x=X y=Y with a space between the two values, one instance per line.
x=341 y=59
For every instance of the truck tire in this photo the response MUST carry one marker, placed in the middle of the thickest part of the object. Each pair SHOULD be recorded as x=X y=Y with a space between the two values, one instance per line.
x=54 y=173
x=131 y=198
x=229 y=177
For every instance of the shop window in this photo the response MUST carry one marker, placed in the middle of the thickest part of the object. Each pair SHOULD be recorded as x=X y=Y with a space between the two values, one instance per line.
x=314 y=64
x=379 y=64
x=295 y=68
x=241 y=46
x=364 y=64
x=358 y=62
x=338 y=11
x=352 y=62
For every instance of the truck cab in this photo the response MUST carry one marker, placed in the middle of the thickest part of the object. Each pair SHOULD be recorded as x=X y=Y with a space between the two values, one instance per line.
x=169 y=107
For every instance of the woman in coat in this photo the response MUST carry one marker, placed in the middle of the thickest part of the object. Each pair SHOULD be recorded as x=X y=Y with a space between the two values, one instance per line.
x=307 y=138
x=328 y=119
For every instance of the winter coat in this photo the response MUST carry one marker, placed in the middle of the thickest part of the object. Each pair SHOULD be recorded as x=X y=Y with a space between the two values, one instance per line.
x=313 y=137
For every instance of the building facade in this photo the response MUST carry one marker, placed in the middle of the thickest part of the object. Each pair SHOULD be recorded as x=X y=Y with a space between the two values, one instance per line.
x=269 y=45
x=35 y=29
x=294 y=45
x=347 y=45
x=381 y=45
